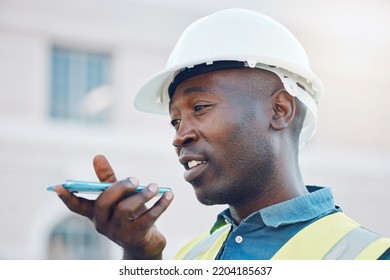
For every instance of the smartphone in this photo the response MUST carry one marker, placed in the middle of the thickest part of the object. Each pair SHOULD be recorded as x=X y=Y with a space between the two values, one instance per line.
x=93 y=187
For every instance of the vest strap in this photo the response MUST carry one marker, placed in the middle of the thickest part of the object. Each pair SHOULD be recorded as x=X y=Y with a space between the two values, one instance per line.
x=351 y=244
x=315 y=241
x=205 y=246
x=209 y=245
x=375 y=249
x=334 y=237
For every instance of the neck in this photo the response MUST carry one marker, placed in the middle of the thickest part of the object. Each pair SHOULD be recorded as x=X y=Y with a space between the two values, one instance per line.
x=285 y=186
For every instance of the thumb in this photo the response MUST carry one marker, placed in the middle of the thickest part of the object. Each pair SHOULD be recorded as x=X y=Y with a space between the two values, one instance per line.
x=103 y=169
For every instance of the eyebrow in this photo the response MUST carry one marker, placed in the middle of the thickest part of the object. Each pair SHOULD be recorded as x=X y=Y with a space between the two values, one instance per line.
x=202 y=89
x=191 y=90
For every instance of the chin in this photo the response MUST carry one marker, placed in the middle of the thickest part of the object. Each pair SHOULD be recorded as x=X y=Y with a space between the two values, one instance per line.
x=208 y=201
x=210 y=193
x=209 y=198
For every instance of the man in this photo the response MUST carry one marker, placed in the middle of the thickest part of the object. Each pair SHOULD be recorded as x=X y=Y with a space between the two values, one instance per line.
x=242 y=99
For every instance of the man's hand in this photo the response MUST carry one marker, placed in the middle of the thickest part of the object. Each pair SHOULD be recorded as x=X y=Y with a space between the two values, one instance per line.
x=120 y=214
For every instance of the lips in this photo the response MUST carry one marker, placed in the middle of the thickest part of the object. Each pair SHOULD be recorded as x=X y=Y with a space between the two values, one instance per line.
x=194 y=167
x=191 y=164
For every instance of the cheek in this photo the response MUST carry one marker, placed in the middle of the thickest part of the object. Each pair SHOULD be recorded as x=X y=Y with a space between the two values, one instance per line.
x=236 y=128
x=225 y=140
x=217 y=131
x=241 y=136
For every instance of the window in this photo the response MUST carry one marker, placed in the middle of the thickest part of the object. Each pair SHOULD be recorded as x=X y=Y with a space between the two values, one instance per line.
x=80 y=85
x=75 y=238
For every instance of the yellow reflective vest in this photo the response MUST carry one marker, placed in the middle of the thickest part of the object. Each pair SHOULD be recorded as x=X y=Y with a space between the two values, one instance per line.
x=333 y=237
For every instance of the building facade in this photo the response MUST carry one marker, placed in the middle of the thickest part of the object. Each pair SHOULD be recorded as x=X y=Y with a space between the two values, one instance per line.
x=69 y=71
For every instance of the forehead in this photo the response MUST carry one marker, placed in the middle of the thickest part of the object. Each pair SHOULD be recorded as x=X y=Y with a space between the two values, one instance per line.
x=211 y=83
x=240 y=81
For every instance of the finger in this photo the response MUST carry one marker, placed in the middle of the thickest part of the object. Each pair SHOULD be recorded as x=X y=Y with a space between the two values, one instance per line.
x=148 y=219
x=108 y=200
x=75 y=204
x=132 y=207
x=103 y=169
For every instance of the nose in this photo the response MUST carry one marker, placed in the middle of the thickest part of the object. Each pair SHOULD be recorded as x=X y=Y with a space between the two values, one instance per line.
x=185 y=135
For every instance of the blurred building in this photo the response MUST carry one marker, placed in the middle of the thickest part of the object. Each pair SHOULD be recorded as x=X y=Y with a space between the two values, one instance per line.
x=69 y=71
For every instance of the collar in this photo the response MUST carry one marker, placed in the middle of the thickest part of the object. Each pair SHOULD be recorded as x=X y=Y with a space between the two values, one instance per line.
x=317 y=202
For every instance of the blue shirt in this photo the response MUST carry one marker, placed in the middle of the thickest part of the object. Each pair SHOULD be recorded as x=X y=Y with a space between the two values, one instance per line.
x=263 y=233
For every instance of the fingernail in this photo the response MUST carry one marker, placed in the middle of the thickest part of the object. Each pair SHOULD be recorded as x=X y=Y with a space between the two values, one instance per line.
x=56 y=190
x=169 y=195
x=133 y=181
x=153 y=188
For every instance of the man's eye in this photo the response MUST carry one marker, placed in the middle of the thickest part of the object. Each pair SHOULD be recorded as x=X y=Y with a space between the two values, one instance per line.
x=175 y=123
x=198 y=108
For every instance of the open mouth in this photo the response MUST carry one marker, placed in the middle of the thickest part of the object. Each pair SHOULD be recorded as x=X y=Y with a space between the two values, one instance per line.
x=193 y=163
x=194 y=169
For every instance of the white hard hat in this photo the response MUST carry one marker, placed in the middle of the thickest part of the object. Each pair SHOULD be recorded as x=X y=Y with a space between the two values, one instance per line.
x=244 y=36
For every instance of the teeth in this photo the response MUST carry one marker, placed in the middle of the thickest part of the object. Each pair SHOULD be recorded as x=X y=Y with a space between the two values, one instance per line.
x=194 y=163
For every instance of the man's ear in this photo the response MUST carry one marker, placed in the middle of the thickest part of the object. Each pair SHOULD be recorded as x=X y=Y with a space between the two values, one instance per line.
x=284 y=107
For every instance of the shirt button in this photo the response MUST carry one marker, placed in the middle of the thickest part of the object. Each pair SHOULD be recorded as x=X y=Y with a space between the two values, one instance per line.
x=239 y=239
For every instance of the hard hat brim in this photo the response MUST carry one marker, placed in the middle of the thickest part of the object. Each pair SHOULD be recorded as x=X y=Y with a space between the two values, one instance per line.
x=152 y=96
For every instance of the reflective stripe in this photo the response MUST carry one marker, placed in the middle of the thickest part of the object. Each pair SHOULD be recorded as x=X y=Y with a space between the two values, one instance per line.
x=332 y=237
x=187 y=247
x=374 y=250
x=209 y=246
x=351 y=244
x=314 y=241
